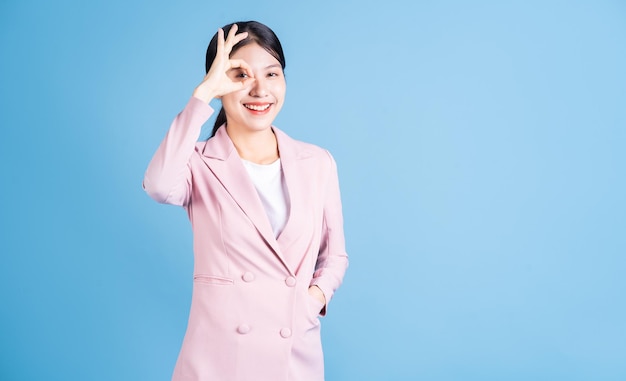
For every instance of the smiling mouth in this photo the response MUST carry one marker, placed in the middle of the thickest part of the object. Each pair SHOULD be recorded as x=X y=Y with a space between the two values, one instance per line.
x=257 y=107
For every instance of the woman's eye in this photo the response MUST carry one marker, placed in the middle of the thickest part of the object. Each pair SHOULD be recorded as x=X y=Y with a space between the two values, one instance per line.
x=272 y=75
x=242 y=75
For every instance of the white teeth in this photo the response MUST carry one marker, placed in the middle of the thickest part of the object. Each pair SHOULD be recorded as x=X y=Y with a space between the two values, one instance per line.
x=257 y=108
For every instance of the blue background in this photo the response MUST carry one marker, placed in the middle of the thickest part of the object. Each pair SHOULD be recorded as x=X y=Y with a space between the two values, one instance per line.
x=481 y=155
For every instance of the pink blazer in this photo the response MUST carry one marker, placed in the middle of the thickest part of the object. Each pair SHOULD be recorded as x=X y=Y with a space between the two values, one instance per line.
x=251 y=316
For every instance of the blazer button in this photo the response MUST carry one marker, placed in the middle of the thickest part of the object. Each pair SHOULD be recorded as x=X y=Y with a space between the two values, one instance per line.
x=285 y=333
x=247 y=276
x=291 y=281
x=243 y=329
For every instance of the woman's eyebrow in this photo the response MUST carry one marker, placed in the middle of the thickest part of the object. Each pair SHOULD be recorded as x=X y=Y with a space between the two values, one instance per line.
x=272 y=66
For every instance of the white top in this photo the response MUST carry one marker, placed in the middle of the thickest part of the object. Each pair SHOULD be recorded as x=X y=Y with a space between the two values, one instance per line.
x=270 y=184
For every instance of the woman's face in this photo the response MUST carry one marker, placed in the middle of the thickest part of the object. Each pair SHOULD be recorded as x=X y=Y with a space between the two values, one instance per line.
x=255 y=107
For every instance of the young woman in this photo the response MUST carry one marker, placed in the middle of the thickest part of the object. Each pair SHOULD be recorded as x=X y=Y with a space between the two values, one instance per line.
x=266 y=217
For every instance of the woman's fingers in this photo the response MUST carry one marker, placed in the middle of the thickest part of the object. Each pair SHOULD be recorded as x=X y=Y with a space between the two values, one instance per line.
x=242 y=65
x=220 y=41
x=233 y=38
x=225 y=45
x=238 y=38
x=232 y=32
x=247 y=82
x=218 y=81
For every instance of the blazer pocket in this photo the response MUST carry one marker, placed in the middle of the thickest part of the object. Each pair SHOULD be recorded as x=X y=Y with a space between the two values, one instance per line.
x=315 y=307
x=212 y=279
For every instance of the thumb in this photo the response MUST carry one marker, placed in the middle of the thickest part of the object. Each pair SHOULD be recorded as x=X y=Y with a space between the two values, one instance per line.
x=248 y=82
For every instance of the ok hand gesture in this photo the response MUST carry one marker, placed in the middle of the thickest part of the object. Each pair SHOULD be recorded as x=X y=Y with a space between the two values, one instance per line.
x=217 y=82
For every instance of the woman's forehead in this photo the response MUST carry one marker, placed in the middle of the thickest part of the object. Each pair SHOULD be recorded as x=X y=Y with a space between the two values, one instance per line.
x=255 y=56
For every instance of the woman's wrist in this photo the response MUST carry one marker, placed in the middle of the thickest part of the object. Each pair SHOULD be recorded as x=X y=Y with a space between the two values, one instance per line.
x=204 y=95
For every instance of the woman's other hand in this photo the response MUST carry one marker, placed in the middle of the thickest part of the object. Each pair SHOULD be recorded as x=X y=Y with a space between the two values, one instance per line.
x=317 y=293
x=217 y=82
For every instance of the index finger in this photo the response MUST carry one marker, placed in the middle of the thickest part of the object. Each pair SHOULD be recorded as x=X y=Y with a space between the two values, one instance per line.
x=241 y=64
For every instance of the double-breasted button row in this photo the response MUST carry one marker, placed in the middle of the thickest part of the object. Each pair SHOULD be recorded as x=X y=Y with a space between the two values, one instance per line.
x=244 y=329
x=250 y=277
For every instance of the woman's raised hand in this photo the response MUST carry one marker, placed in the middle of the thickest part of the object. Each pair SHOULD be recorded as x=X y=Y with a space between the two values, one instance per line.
x=217 y=82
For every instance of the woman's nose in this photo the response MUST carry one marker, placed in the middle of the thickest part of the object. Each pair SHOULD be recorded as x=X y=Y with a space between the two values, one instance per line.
x=259 y=88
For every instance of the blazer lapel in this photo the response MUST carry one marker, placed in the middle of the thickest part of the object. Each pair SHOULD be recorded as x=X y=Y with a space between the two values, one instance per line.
x=295 y=178
x=221 y=157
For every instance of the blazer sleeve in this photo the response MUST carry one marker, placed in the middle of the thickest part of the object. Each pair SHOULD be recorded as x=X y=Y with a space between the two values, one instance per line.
x=168 y=177
x=332 y=260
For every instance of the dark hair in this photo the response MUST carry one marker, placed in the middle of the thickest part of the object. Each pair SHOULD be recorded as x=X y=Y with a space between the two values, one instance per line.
x=257 y=33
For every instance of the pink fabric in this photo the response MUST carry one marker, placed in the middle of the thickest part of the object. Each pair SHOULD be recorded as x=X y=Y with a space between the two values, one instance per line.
x=251 y=317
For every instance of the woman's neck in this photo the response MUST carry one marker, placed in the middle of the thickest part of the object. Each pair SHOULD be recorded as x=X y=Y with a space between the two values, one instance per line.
x=259 y=147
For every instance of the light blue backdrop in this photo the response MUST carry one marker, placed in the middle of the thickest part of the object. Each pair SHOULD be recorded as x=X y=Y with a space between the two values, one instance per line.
x=481 y=155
